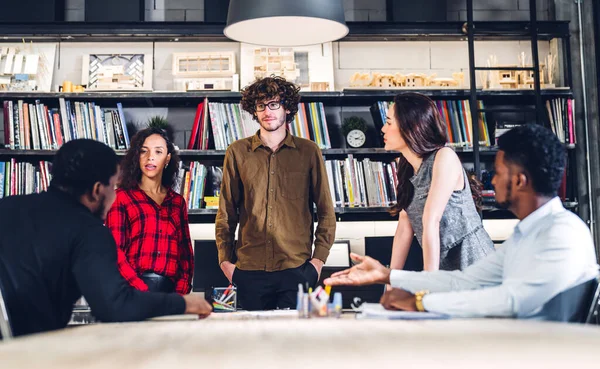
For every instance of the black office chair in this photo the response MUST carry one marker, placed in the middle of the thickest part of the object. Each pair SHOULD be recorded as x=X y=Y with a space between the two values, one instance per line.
x=594 y=306
x=578 y=304
x=5 y=330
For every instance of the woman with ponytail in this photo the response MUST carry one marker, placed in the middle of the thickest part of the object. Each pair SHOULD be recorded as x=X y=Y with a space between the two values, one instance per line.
x=435 y=197
x=148 y=219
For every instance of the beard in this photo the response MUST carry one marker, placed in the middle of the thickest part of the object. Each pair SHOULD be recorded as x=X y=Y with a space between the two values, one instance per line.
x=100 y=211
x=506 y=203
x=270 y=128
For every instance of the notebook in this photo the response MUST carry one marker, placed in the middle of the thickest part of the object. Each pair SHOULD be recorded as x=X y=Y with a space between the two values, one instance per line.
x=377 y=311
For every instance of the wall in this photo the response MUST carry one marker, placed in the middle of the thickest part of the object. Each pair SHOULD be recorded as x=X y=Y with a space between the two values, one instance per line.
x=156 y=10
x=355 y=10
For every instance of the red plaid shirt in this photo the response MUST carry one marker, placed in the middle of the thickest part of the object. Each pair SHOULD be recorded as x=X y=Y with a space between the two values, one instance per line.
x=152 y=238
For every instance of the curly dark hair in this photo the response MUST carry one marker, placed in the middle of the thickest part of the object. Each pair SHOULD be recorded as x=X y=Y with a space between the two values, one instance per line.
x=539 y=152
x=80 y=163
x=269 y=88
x=131 y=174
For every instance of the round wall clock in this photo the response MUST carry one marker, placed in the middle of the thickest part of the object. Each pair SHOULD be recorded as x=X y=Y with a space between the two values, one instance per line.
x=356 y=138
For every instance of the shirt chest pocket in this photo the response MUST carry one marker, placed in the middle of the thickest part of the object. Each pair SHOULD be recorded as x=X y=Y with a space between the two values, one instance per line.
x=294 y=186
x=169 y=231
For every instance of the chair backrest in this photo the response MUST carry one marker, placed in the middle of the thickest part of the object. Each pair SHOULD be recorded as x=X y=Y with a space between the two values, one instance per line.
x=575 y=305
x=594 y=307
x=5 y=330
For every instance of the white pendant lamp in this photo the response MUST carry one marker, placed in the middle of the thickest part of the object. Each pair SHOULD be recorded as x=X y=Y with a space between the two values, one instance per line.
x=285 y=22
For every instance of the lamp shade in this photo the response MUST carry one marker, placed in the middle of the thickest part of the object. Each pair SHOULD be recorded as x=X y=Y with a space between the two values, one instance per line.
x=285 y=22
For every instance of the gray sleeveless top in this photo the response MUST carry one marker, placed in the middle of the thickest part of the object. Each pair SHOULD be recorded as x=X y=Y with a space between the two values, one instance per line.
x=462 y=237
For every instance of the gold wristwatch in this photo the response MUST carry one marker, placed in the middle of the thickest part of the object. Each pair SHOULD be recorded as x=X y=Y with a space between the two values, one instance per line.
x=419 y=299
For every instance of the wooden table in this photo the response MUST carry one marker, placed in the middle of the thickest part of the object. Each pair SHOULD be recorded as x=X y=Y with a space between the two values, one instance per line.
x=220 y=342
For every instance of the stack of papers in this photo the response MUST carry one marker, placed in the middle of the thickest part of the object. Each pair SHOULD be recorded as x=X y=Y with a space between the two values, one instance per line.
x=377 y=311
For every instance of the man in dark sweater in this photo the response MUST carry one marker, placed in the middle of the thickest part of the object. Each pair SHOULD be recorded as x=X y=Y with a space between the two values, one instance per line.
x=54 y=247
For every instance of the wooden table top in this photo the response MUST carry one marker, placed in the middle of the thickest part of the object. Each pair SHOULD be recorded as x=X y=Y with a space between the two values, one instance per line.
x=229 y=341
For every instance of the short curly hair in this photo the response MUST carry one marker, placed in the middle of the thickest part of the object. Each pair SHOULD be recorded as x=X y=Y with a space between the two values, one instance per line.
x=80 y=163
x=539 y=152
x=269 y=88
x=131 y=173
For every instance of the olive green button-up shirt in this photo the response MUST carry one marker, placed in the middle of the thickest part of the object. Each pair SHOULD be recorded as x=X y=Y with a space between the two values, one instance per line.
x=271 y=196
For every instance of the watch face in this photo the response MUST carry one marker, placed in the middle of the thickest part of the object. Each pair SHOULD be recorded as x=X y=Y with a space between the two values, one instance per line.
x=356 y=138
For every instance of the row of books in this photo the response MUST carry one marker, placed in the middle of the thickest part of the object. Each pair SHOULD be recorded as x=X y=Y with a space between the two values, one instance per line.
x=561 y=114
x=20 y=178
x=229 y=122
x=352 y=183
x=310 y=123
x=457 y=117
x=365 y=183
x=196 y=180
x=35 y=126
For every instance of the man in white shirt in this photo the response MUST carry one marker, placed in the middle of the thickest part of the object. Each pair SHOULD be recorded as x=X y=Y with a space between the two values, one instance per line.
x=550 y=251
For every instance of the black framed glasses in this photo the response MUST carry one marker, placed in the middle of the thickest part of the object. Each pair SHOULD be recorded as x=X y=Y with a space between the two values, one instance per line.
x=273 y=105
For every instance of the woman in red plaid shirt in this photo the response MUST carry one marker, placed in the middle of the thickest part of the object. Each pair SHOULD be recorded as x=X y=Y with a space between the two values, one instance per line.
x=149 y=220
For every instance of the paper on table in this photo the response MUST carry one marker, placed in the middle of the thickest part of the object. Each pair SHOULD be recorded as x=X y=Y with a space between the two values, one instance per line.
x=175 y=317
x=377 y=311
x=252 y=315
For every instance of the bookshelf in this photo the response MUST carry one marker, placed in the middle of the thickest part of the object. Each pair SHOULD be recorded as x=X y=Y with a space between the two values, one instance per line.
x=337 y=104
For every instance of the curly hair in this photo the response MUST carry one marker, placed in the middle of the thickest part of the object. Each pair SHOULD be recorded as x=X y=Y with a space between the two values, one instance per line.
x=131 y=173
x=269 y=88
x=79 y=164
x=539 y=152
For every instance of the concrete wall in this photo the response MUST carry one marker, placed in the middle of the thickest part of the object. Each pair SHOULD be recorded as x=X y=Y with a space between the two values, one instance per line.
x=355 y=10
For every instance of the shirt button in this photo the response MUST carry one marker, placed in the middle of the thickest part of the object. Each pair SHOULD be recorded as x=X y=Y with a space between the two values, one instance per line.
x=273 y=155
x=271 y=190
x=272 y=173
x=270 y=225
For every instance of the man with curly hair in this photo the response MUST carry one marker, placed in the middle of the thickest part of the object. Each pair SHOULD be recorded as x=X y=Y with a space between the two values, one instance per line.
x=271 y=183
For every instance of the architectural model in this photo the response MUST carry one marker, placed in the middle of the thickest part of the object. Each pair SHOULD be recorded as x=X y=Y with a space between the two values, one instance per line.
x=123 y=72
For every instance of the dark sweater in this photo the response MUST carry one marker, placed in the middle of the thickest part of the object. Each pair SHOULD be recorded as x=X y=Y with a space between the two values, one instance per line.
x=53 y=250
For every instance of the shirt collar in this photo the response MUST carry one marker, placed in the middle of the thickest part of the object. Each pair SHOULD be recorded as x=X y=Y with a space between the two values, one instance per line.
x=65 y=196
x=287 y=141
x=552 y=206
x=168 y=196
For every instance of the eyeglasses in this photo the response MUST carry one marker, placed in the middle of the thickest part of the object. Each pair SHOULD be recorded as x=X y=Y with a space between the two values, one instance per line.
x=273 y=105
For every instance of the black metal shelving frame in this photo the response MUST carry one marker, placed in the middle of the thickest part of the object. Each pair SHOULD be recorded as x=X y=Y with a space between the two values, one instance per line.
x=469 y=31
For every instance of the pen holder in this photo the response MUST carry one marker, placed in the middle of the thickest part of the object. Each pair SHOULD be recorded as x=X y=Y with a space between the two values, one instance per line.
x=224 y=299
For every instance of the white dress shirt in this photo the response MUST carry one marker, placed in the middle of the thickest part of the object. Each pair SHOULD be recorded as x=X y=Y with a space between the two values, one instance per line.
x=550 y=251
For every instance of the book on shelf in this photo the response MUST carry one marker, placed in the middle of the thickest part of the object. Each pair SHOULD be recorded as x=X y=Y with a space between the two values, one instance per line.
x=561 y=116
x=310 y=123
x=456 y=115
x=35 y=125
x=198 y=181
x=366 y=183
x=229 y=123
x=21 y=178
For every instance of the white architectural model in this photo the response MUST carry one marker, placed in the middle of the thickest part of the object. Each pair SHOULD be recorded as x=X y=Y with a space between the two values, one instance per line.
x=120 y=72
x=26 y=67
x=205 y=71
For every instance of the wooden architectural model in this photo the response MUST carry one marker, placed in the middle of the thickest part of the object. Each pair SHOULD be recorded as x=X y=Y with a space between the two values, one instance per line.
x=411 y=80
